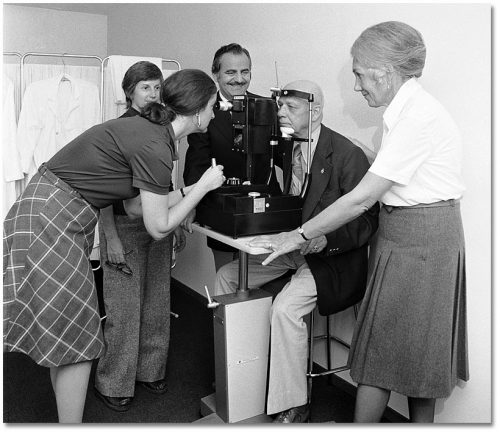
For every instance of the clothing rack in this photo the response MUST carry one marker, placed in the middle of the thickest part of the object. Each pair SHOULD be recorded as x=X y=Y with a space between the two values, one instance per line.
x=163 y=61
x=102 y=64
x=81 y=56
x=12 y=53
x=16 y=54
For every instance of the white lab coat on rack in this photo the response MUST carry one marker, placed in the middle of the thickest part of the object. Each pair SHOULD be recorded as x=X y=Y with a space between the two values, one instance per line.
x=54 y=111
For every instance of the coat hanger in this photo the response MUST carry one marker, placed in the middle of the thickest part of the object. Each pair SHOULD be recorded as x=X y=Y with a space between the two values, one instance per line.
x=65 y=76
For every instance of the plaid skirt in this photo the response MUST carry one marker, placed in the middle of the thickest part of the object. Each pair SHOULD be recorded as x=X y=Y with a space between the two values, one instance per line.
x=411 y=333
x=50 y=303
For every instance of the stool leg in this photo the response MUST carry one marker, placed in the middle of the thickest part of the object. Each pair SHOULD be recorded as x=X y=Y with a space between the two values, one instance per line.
x=311 y=356
x=329 y=348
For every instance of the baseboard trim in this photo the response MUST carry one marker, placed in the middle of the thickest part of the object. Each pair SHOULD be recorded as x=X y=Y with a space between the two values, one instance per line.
x=390 y=415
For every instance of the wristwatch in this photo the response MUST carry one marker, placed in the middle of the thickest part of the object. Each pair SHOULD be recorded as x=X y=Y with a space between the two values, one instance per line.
x=301 y=232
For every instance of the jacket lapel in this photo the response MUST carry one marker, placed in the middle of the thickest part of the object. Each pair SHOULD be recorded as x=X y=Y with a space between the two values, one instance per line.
x=222 y=123
x=321 y=170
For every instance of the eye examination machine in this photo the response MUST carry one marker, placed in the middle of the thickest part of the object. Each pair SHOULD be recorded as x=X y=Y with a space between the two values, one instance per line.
x=242 y=207
x=233 y=214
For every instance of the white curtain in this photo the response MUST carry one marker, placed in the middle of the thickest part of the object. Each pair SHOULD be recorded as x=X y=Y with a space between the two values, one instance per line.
x=11 y=161
x=12 y=72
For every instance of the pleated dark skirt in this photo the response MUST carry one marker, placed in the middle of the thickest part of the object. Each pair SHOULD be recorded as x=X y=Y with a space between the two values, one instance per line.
x=411 y=334
x=50 y=303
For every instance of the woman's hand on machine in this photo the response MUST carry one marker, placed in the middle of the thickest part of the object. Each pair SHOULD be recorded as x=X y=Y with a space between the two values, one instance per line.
x=213 y=177
x=187 y=223
x=179 y=239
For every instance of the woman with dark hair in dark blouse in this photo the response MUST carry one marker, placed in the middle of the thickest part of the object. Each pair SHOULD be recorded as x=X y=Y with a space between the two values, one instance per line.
x=50 y=303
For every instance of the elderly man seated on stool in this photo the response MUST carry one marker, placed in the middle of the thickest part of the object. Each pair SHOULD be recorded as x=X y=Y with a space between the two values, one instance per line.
x=329 y=270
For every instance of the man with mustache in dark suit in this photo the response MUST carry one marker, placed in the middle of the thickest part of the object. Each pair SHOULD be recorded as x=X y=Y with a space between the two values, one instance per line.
x=232 y=70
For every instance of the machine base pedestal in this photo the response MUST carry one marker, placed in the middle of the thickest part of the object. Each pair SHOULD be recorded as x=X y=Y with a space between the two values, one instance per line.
x=241 y=348
x=207 y=410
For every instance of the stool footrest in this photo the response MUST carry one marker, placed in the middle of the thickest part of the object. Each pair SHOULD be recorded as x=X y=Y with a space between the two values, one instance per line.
x=328 y=372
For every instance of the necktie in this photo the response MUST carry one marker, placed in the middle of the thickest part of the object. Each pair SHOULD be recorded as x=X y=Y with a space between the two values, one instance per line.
x=297 y=170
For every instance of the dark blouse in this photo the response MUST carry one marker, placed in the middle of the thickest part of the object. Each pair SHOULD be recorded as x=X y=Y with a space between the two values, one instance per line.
x=118 y=208
x=113 y=160
x=131 y=112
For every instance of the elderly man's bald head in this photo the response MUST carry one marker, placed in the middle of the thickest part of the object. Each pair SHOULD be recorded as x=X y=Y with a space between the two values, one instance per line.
x=294 y=111
x=308 y=87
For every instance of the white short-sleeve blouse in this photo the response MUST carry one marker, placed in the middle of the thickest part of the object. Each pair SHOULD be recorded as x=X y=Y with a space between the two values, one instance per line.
x=421 y=150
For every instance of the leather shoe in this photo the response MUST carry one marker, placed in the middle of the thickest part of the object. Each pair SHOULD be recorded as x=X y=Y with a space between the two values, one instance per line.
x=119 y=404
x=156 y=387
x=299 y=414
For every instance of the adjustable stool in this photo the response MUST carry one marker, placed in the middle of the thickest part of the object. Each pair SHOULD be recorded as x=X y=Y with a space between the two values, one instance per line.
x=329 y=338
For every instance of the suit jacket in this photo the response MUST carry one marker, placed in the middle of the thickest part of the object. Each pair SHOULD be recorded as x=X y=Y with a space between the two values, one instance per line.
x=340 y=270
x=216 y=143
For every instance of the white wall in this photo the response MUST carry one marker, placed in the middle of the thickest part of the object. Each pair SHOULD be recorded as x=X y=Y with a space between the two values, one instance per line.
x=312 y=41
x=28 y=29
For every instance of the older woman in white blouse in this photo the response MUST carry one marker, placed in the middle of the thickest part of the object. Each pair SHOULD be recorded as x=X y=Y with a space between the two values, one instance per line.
x=411 y=333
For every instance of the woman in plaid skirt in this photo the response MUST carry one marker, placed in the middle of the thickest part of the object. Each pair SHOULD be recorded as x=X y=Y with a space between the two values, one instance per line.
x=50 y=303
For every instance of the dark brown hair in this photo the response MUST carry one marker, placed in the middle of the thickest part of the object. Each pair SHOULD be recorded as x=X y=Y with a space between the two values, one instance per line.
x=140 y=71
x=233 y=48
x=185 y=92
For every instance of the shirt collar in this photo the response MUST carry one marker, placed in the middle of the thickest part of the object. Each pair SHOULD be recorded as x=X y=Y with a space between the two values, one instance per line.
x=224 y=99
x=405 y=92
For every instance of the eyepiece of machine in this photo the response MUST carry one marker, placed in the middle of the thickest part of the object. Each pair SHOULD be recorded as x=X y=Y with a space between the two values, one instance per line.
x=223 y=105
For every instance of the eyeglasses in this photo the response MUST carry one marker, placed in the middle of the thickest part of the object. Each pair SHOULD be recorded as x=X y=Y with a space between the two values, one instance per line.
x=123 y=267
